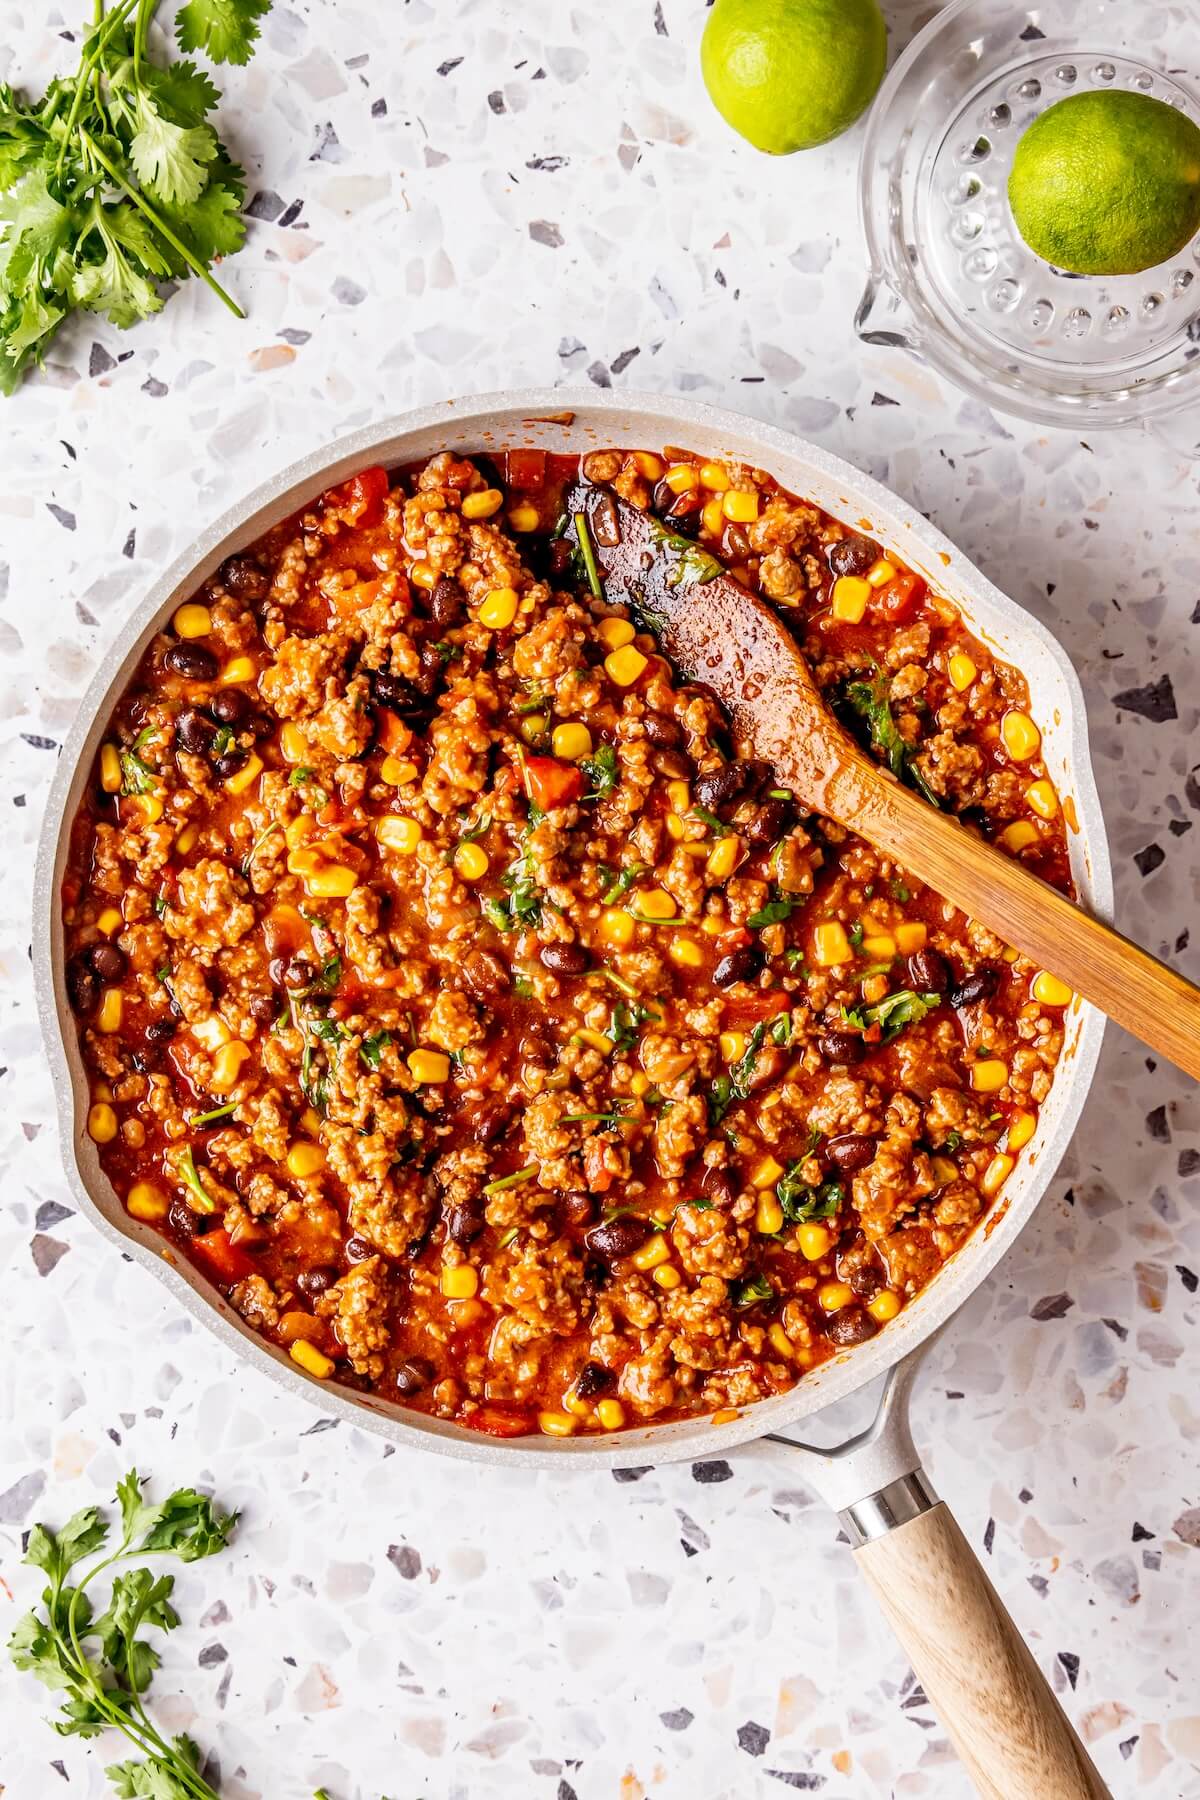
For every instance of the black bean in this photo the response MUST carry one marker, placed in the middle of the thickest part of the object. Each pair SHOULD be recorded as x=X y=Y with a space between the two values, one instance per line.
x=850 y=1153
x=866 y=1281
x=717 y=787
x=767 y=1065
x=928 y=972
x=593 y=1379
x=684 y=513
x=83 y=983
x=465 y=1221
x=577 y=1209
x=979 y=986
x=617 y=1237
x=260 y=724
x=299 y=973
x=720 y=1186
x=391 y=690
x=161 y=1031
x=851 y=1326
x=193 y=732
x=485 y=974
x=769 y=820
x=739 y=965
x=242 y=576
x=229 y=764
x=429 y=672
x=671 y=764
x=447 y=603
x=357 y=1250
x=413 y=1375
x=314 y=1281
x=664 y=733
x=605 y=522
x=565 y=959
x=854 y=555
x=109 y=962
x=492 y=1122
x=230 y=706
x=192 y=661
x=262 y=1007
x=841 y=1046
x=182 y=1219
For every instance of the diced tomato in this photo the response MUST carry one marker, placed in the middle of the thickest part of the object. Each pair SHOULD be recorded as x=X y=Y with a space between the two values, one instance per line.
x=348 y=601
x=360 y=500
x=598 y=1175
x=754 y=1008
x=526 y=469
x=496 y=1421
x=553 y=783
x=899 y=598
x=394 y=734
x=224 y=1261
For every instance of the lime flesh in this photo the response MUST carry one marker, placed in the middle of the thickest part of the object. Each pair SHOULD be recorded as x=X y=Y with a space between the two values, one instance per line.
x=1107 y=183
x=790 y=74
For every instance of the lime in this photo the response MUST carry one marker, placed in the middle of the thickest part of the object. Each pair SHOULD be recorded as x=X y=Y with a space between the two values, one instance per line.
x=1107 y=183
x=789 y=74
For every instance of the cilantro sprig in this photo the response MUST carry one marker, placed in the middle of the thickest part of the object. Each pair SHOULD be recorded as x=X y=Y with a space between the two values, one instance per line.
x=100 y=1662
x=115 y=181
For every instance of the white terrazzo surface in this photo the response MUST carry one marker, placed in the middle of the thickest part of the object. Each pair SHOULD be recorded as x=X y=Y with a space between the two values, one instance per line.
x=494 y=194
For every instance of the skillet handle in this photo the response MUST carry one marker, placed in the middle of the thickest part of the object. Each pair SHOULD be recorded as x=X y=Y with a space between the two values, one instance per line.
x=981 y=1679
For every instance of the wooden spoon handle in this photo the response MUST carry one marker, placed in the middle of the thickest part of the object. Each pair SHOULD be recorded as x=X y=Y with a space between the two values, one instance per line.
x=1131 y=986
x=981 y=1679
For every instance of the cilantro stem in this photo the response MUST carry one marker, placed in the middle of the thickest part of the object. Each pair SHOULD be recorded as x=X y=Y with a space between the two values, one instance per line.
x=517 y=1179
x=87 y=68
x=164 y=230
x=583 y=533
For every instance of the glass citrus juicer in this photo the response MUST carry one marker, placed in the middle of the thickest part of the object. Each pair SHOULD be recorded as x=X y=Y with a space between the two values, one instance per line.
x=952 y=281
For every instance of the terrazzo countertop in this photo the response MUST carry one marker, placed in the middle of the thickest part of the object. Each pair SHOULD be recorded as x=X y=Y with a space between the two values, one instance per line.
x=458 y=196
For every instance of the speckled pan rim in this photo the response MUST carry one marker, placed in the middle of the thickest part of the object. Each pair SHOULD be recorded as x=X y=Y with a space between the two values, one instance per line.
x=478 y=421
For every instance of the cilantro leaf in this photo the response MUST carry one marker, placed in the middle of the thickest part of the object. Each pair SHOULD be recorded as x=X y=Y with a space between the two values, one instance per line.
x=893 y=1014
x=749 y=1292
x=775 y=912
x=602 y=772
x=169 y=159
x=226 y=29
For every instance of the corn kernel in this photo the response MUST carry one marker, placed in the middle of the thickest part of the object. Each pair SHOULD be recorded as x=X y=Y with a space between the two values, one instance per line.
x=850 y=596
x=830 y=944
x=111 y=1006
x=680 y=796
x=483 y=504
x=815 y=1241
x=244 y=777
x=881 y=572
x=192 y=621
x=649 y=466
x=962 y=672
x=595 y=1040
x=615 y=633
x=881 y=948
x=333 y=881
x=726 y=1415
x=686 y=952
x=211 y=1032
x=911 y=936
x=571 y=742
x=989 y=1076
x=616 y=927
x=429 y=1066
x=656 y=903
x=533 y=727
x=996 y=1174
x=310 y=1121
x=397 y=833
x=724 y=857
x=110 y=769
x=624 y=665
x=227 y=1064
x=460 y=1282
x=187 y=840
x=524 y=518
x=766 y=1172
x=611 y=1413
x=397 y=771
x=465 y=1313
x=147 y=807
x=1022 y=739
x=682 y=477
x=732 y=1045
x=311 y=1360
x=654 y=1251
x=714 y=475
x=780 y=1342
x=237 y=671
x=740 y=506
x=884 y=1306
x=301 y=861
x=556 y=1424
x=1022 y=1128
x=145 y=1201
x=304 y=1160
x=832 y=1296
x=499 y=609
x=1048 y=990
x=1041 y=796
x=423 y=575
x=293 y=744
x=769 y=1217
x=666 y=1276
x=471 y=862
x=1019 y=836
x=110 y=921
x=712 y=517
x=101 y=1123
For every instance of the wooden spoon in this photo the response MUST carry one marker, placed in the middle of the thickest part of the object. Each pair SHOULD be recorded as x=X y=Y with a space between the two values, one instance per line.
x=717 y=633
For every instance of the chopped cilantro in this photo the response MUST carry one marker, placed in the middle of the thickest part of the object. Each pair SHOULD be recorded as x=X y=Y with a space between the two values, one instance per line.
x=715 y=825
x=602 y=771
x=801 y=1203
x=588 y=553
x=751 y=1291
x=892 y=1014
x=622 y=883
x=372 y=1048
x=775 y=912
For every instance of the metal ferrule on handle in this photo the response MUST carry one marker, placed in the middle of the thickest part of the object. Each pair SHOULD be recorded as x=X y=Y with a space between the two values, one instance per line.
x=896 y=1504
